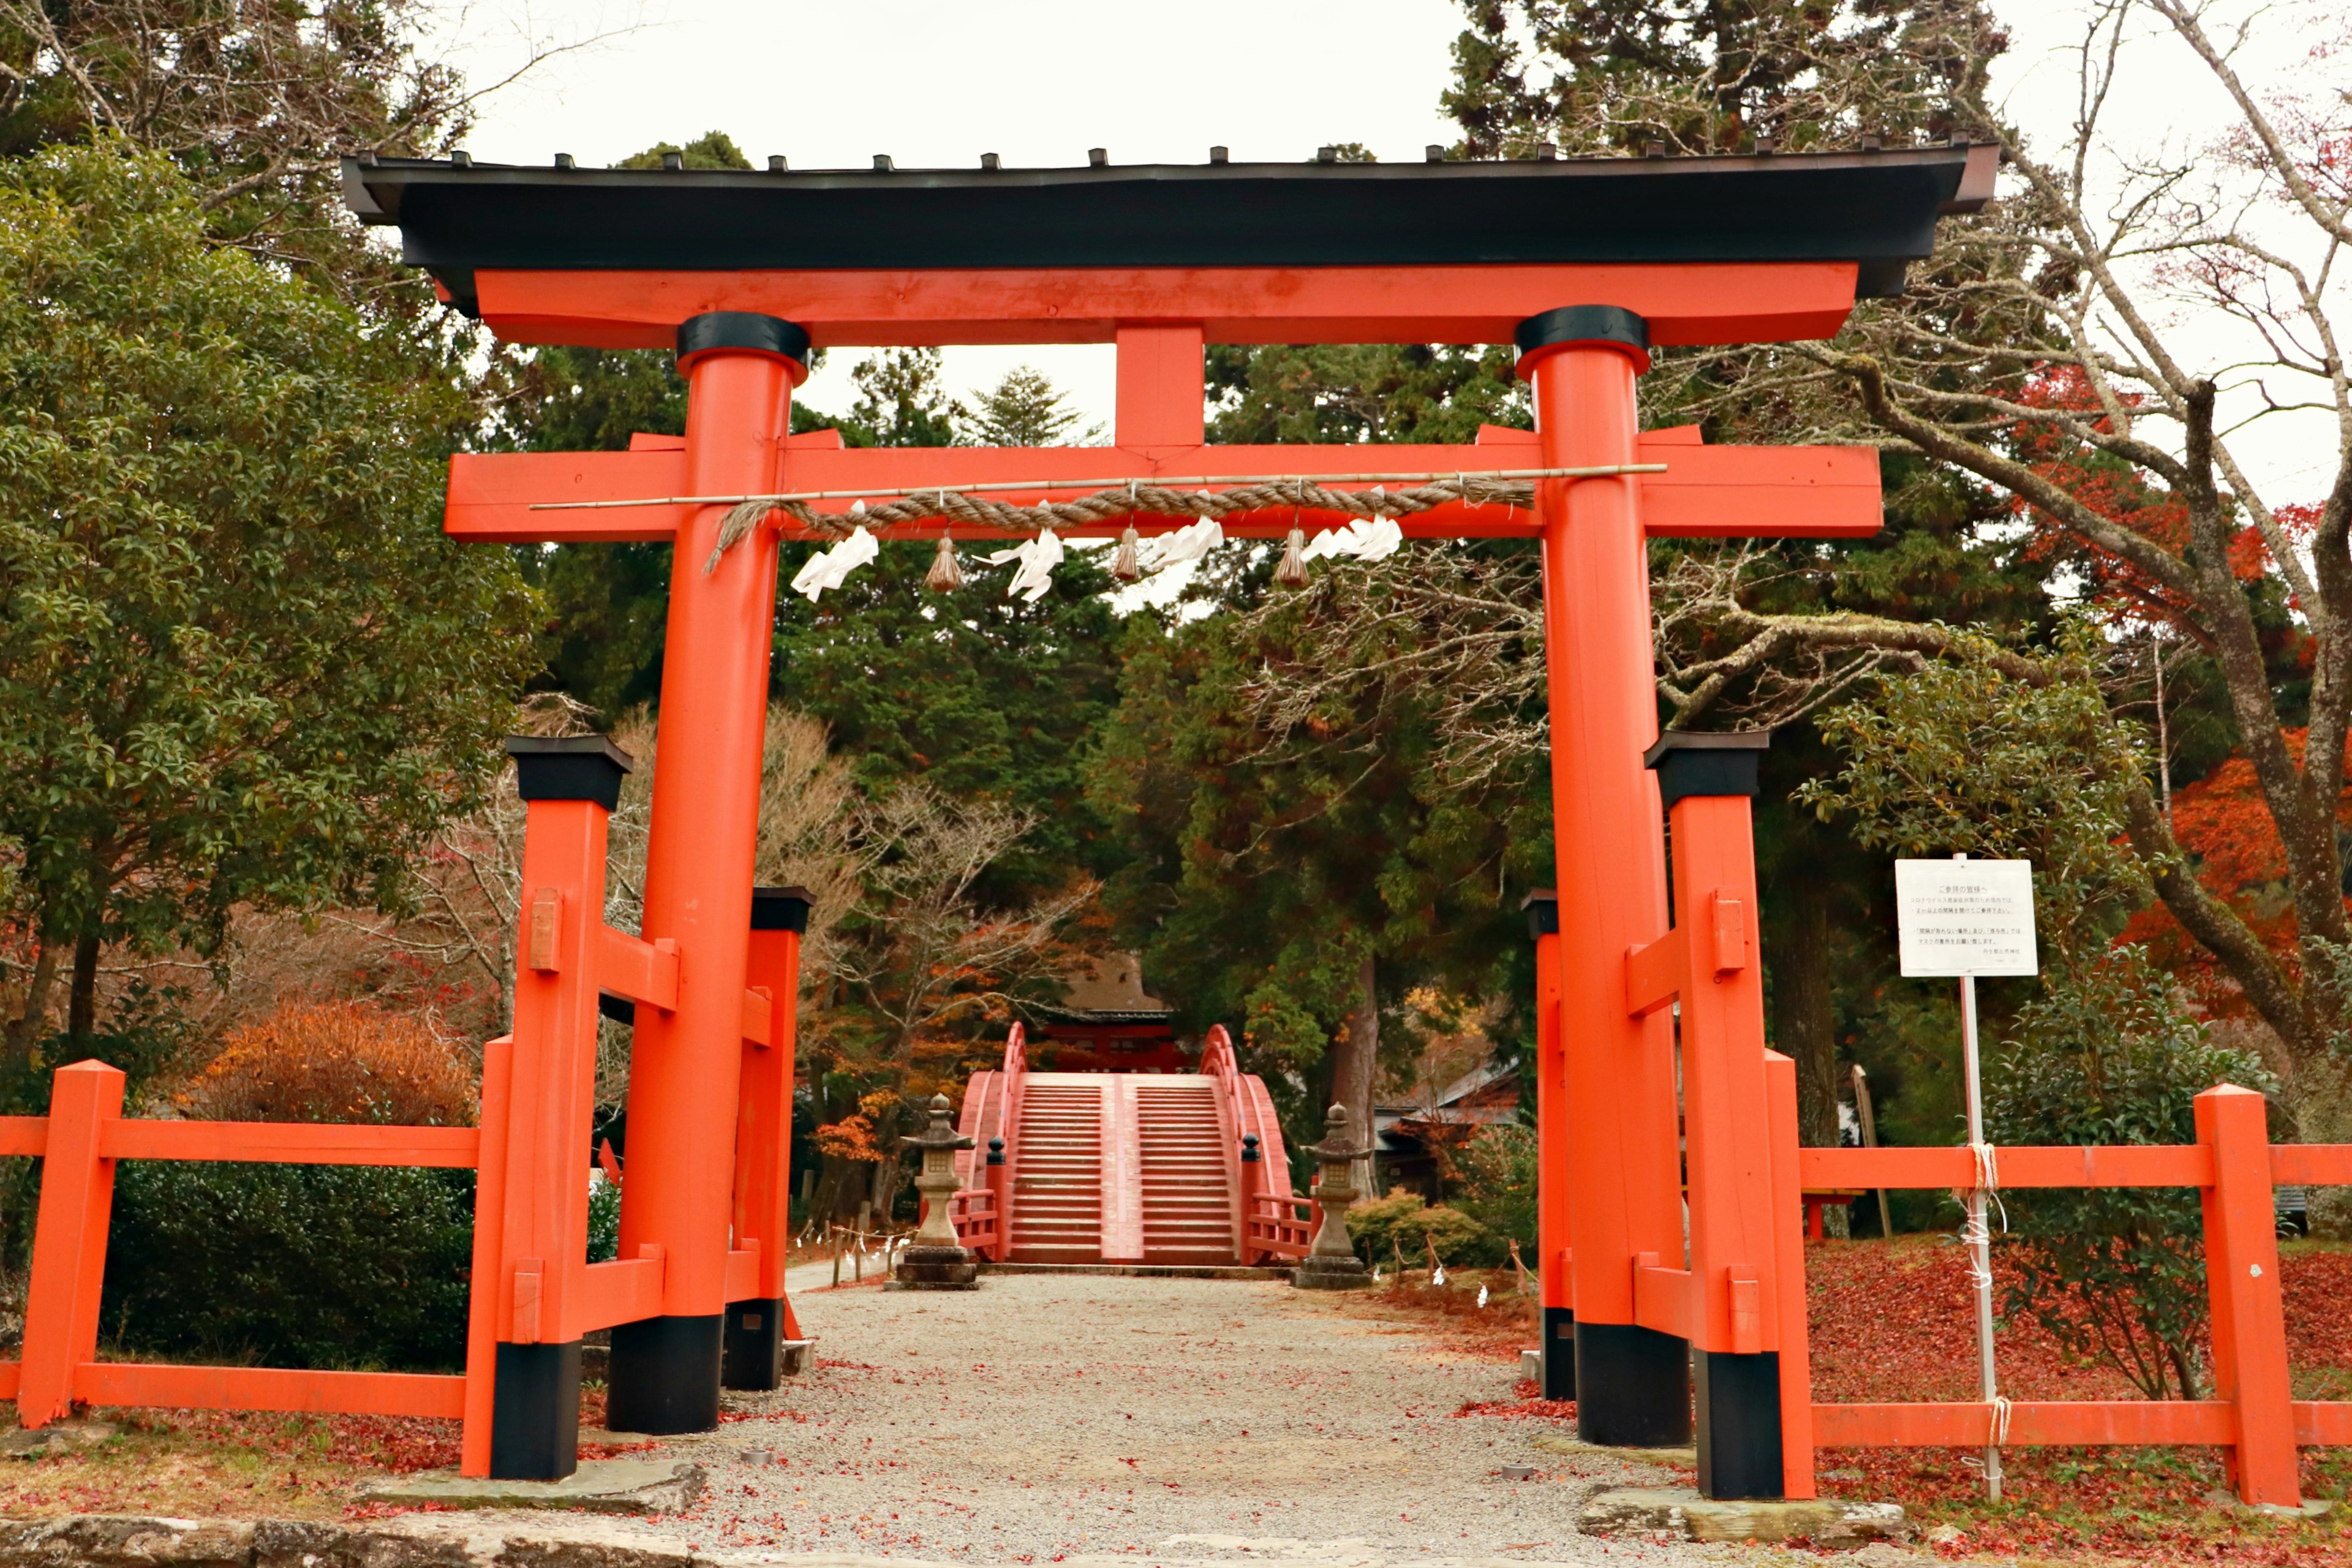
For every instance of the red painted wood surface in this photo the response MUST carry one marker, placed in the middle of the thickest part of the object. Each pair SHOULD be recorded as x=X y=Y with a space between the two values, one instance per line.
x=2323 y=1422
x=1624 y=1171
x=763 y=1116
x=68 y=1240
x=621 y=1291
x=1712 y=492
x=1797 y=1439
x=1695 y=303
x=2119 y=1165
x=641 y=971
x=1663 y=1298
x=2312 y=1164
x=269 y=1388
x=2032 y=1424
x=24 y=1134
x=1552 y=1219
x=291 y=1143
x=490 y=1220
x=2248 y=1309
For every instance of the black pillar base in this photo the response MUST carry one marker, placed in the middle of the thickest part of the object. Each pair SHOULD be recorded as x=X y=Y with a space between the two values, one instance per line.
x=1558 y=1352
x=1738 y=1424
x=664 y=1375
x=535 y=1413
x=753 y=1353
x=1632 y=1386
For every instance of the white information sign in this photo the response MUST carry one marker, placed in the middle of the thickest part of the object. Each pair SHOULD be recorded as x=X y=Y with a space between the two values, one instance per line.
x=1966 y=917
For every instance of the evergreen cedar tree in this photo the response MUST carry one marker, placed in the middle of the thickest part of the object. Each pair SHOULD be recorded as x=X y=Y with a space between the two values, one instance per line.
x=241 y=665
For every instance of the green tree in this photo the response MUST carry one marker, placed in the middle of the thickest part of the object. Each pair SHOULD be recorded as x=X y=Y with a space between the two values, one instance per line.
x=1026 y=409
x=976 y=695
x=2114 y=1274
x=1299 y=852
x=255 y=104
x=241 y=663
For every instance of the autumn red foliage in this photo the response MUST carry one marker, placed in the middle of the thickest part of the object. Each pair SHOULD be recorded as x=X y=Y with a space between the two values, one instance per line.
x=335 y=1061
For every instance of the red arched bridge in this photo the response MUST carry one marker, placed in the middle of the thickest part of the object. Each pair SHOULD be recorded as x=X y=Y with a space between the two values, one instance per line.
x=1137 y=1168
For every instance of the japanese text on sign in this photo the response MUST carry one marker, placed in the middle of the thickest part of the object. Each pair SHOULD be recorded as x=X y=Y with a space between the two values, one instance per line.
x=1966 y=917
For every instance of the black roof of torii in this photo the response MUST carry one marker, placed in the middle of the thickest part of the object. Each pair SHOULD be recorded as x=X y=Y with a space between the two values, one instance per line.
x=1875 y=208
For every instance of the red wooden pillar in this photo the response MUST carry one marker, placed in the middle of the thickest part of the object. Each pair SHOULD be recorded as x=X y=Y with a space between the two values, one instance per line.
x=484 y=1296
x=1788 y=1249
x=1623 y=1169
x=68 y=1240
x=2242 y=1272
x=1704 y=782
x=740 y=370
x=1554 y=1261
x=757 y=1326
x=569 y=787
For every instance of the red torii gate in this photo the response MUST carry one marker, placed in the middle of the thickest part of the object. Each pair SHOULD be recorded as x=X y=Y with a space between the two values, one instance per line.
x=1586 y=265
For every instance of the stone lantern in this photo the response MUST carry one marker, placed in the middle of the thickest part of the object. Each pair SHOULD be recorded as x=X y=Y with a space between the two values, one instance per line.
x=1332 y=1264
x=934 y=1261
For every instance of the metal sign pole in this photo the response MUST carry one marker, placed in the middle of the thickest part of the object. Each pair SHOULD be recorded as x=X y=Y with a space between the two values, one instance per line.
x=1975 y=1233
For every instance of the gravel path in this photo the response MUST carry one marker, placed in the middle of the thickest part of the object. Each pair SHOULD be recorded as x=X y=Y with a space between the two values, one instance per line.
x=1055 y=1418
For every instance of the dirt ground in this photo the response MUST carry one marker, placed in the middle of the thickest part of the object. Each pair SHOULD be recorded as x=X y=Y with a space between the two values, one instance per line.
x=1044 y=1417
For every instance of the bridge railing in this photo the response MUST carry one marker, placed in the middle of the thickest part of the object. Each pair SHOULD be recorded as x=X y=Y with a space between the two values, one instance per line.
x=1275 y=1224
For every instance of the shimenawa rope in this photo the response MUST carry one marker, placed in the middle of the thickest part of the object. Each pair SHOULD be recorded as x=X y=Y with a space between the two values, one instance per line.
x=1108 y=505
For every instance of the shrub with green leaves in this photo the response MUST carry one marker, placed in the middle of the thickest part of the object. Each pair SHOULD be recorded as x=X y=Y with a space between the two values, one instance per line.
x=306 y=1266
x=2115 y=1273
x=1406 y=1224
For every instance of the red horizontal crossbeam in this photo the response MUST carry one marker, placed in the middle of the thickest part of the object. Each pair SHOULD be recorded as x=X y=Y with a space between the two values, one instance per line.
x=637 y=970
x=2116 y=1165
x=292 y=1144
x=1691 y=303
x=2311 y=1164
x=267 y=1388
x=1706 y=491
x=620 y=1292
x=24 y=1134
x=2032 y=1424
x=1662 y=1301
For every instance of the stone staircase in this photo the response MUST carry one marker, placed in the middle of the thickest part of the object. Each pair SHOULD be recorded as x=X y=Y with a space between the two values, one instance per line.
x=1122 y=1168
x=1057 y=1172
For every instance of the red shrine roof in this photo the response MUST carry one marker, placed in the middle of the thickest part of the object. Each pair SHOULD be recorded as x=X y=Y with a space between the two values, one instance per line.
x=1875 y=209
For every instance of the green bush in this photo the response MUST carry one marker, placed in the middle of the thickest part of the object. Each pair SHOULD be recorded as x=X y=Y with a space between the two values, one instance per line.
x=1498 y=1184
x=303 y=1266
x=2115 y=1274
x=1403 y=1222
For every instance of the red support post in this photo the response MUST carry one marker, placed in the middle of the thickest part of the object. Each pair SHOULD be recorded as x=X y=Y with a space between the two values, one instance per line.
x=484 y=1296
x=1557 y=1346
x=2250 y=1367
x=758 y=1325
x=685 y=1065
x=1792 y=1329
x=1624 y=1177
x=569 y=786
x=1735 y=1223
x=999 y=1179
x=68 y=1240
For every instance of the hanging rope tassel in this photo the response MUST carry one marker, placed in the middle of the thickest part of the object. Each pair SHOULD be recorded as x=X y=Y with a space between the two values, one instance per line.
x=946 y=574
x=1124 y=565
x=1292 y=571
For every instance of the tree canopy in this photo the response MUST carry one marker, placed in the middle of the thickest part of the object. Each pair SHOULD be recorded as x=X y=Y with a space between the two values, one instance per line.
x=241 y=663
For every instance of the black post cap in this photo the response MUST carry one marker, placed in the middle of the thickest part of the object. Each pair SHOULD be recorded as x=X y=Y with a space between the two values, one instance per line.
x=1723 y=763
x=1542 y=909
x=1583 y=324
x=996 y=1151
x=569 y=767
x=742 y=330
x=1249 y=1147
x=779 y=909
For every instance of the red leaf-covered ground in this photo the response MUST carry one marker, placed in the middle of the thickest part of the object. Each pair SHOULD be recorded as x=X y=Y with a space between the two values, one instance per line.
x=1895 y=1322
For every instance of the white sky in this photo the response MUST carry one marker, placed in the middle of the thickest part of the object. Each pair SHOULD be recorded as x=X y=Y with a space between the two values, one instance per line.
x=1040 y=81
